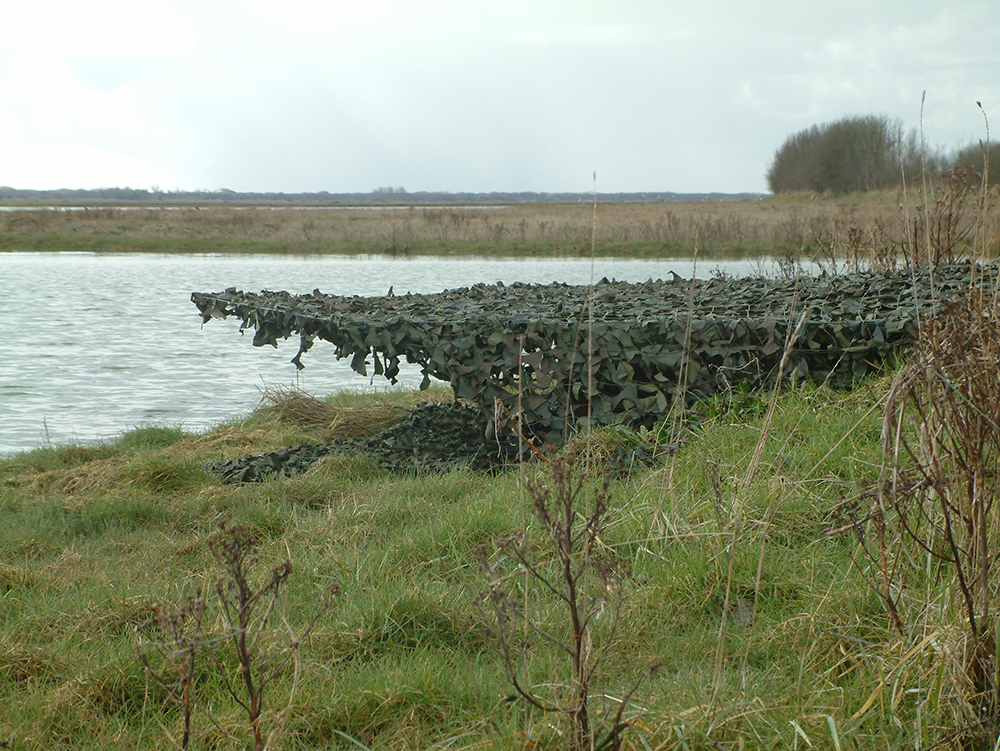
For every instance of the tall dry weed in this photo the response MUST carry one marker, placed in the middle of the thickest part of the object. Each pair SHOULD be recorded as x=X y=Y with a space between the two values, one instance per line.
x=928 y=534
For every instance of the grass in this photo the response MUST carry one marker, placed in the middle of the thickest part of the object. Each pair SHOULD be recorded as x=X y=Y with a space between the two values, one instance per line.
x=800 y=224
x=92 y=538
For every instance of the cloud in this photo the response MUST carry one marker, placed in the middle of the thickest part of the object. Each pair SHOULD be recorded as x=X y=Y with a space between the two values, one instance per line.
x=330 y=14
x=839 y=48
x=606 y=34
x=30 y=165
x=49 y=98
x=96 y=29
x=746 y=96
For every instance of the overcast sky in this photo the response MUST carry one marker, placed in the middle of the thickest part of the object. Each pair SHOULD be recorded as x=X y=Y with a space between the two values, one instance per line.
x=511 y=95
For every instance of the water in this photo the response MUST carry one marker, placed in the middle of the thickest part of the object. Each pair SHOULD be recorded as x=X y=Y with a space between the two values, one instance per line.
x=93 y=345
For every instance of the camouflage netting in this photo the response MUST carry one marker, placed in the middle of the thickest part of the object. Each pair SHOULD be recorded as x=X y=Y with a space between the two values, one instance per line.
x=539 y=346
x=436 y=437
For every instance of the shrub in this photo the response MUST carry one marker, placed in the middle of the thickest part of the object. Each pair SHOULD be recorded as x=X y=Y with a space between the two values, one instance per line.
x=852 y=154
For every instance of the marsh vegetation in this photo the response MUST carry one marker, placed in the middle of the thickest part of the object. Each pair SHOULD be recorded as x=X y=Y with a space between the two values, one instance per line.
x=799 y=226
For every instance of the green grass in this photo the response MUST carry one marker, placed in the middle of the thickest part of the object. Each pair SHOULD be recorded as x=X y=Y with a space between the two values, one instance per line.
x=92 y=538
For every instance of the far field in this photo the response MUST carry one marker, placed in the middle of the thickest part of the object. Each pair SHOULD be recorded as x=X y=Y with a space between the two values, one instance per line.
x=793 y=226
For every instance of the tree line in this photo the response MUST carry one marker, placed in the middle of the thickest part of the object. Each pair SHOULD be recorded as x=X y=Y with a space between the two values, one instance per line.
x=379 y=196
x=858 y=154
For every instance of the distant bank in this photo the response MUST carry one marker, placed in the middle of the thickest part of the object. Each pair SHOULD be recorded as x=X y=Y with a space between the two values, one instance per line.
x=496 y=226
x=380 y=197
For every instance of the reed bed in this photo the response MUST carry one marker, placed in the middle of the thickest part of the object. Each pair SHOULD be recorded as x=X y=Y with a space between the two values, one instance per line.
x=798 y=225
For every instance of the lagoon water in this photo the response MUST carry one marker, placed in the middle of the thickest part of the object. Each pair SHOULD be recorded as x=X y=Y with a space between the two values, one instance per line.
x=93 y=344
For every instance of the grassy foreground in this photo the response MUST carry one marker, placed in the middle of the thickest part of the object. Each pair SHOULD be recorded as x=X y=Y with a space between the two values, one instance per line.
x=94 y=538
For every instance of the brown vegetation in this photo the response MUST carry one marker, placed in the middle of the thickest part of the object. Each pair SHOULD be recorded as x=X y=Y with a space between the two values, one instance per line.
x=332 y=421
x=793 y=224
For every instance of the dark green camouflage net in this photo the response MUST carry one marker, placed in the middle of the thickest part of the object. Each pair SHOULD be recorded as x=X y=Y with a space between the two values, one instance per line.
x=435 y=438
x=527 y=345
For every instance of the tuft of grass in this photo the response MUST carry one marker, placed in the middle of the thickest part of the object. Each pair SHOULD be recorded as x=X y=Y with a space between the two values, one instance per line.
x=41 y=460
x=161 y=475
x=28 y=666
x=149 y=437
x=15 y=578
x=330 y=420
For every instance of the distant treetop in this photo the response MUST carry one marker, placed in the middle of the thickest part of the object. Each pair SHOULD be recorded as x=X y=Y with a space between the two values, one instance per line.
x=850 y=155
x=858 y=154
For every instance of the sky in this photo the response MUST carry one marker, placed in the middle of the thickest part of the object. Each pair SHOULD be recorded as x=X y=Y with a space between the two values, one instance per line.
x=463 y=95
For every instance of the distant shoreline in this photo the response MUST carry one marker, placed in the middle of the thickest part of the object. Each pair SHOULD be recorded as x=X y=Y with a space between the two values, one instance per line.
x=786 y=226
x=106 y=197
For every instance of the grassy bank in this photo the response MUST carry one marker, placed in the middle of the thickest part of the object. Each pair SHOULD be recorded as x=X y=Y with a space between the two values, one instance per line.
x=785 y=225
x=95 y=539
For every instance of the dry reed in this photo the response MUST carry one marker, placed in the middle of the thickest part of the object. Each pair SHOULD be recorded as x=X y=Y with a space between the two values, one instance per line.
x=331 y=421
x=806 y=223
